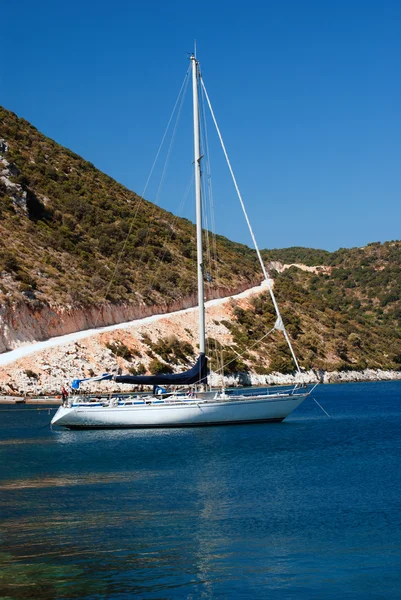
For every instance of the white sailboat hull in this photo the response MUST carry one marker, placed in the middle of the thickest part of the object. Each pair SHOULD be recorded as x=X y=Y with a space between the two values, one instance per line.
x=181 y=414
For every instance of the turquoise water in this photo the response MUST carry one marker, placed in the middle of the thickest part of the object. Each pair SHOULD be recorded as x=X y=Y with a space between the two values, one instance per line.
x=308 y=508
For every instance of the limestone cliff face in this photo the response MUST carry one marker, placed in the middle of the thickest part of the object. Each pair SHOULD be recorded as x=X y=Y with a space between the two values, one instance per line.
x=28 y=322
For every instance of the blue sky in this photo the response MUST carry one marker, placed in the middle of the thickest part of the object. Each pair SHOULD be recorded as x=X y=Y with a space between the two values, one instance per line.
x=307 y=94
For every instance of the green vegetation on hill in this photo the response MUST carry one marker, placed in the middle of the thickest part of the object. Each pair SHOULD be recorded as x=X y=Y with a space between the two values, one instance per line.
x=350 y=319
x=296 y=254
x=70 y=231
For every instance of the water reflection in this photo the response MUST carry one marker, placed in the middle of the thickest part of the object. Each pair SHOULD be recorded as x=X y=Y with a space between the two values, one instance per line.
x=24 y=442
x=66 y=481
x=65 y=436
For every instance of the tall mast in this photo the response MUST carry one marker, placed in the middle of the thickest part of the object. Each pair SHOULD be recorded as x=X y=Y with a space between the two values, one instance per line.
x=197 y=159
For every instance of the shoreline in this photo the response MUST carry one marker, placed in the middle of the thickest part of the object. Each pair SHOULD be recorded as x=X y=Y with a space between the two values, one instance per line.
x=329 y=378
x=36 y=400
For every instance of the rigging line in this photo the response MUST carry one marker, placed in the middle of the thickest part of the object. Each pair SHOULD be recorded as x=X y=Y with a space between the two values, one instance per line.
x=141 y=198
x=320 y=406
x=208 y=195
x=250 y=348
x=209 y=179
x=251 y=230
x=207 y=262
x=172 y=140
x=206 y=222
x=184 y=84
x=211 y=244
x=204 y=198
x=172 y=224
x=155 y=204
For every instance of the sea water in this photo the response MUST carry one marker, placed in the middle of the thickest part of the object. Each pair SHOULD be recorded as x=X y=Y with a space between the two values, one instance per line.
x=307 y=508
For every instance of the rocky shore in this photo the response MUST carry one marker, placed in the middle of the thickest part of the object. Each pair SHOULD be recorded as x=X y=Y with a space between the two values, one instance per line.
x=309 y=377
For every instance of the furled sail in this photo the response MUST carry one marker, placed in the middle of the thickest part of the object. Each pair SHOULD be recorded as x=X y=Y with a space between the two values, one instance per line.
x=197 y=374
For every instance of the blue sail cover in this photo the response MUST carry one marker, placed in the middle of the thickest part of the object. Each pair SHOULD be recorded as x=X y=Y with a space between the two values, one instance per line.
x=197 y=374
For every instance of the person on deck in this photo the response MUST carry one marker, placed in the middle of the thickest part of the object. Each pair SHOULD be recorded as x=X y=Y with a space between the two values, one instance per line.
x=64 y=394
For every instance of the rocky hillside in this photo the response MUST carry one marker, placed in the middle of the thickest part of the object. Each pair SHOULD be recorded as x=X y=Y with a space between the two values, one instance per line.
x=64 y=227
x=169 y=342
x=64 y=247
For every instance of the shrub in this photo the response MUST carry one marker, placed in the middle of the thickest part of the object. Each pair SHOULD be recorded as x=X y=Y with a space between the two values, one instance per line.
x=31 y=374
x=120 y=349
x=156 y=367
x=138 y=370
x=281 y=364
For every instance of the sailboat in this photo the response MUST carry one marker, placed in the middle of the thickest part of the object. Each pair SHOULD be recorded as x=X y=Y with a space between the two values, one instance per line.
x=197 y=406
